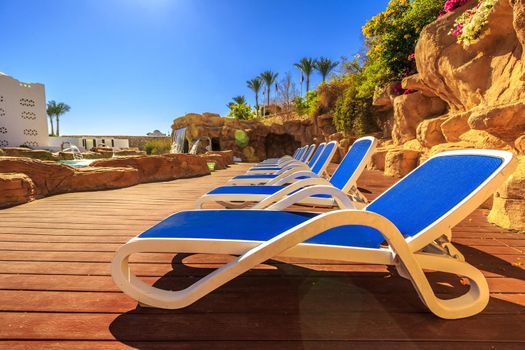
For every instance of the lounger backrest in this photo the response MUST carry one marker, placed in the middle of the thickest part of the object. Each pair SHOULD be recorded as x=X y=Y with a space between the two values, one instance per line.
x=309 y=152
x=295 y=153
x=353 y=163
x=316 y=155
x=442 y=191
x=301 y=153
x=325 y=158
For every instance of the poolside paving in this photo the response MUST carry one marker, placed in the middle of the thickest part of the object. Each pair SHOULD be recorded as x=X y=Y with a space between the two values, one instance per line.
x=56 y=291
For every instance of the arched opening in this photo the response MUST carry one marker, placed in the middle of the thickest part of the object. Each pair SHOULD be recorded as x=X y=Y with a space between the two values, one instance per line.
x=280 y=145
x=215 y=144
x=186 y=146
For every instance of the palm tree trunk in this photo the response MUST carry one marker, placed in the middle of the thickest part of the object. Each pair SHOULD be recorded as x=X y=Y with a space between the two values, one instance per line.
x=268 y=97
x=58 y=125
x=257 y=101
x=52 y=127
x=307 y=83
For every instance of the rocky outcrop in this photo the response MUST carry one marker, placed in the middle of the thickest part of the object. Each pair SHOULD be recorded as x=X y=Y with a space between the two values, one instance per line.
x=159 y=168
x=399 y=162
x=15 y=189
x=509 y=201
x=249 y=140
x=25 y=179
x=48 y=177
x=106 y=178
x=29 y=153
x=227 y=156
x=410 y=110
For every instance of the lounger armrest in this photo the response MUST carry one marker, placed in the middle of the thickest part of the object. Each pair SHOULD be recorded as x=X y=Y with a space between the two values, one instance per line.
x=291 y=176
x=339 y=196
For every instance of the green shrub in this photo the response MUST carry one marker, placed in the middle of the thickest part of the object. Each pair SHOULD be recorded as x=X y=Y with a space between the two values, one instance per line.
x=391 y=38
x=158 y=146
x=352 y=114
x=241 y=111
x=308 y=104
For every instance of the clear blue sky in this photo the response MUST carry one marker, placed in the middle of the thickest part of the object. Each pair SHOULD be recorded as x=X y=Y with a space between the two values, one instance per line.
x=127 y=67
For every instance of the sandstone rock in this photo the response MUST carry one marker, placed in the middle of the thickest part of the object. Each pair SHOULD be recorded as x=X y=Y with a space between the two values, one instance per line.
x=504 y=121
x=519 y=144
x=160 y=168
x=454 y=126
x=451 y=146
x=129 y=152
x=482 y=139
x=429 y=132
x=48 y=177
x=15 y=189
x=377 y=162
x=226 y=155
x=414 y=145
x=29 y=153
x=486 y=73
x=409 y=111
x=2 y=153
x=399 y=162
x=508 y=209
x=103 y=178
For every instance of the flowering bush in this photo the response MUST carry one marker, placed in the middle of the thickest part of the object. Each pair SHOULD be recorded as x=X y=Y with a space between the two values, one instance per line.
x=451 y=5
x=468 y=27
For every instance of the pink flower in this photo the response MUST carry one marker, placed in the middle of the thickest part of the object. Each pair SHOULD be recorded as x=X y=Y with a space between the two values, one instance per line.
x=451 y=5
x=411 y=57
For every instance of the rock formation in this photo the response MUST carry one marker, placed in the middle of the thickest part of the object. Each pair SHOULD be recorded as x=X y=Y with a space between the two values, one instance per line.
x=257 y=141
x=465 y=97
x=24 y=179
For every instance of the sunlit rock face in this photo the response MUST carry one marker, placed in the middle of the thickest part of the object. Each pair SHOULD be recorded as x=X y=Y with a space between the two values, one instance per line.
x=464 y=97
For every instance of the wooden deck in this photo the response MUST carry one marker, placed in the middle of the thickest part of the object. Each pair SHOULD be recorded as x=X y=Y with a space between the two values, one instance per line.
x=56 y=291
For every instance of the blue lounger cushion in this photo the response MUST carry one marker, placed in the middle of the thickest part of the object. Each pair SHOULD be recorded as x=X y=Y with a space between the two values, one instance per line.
x=255 y=225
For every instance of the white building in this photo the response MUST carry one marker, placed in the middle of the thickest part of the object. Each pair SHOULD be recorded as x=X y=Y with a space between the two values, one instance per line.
x=23 y=119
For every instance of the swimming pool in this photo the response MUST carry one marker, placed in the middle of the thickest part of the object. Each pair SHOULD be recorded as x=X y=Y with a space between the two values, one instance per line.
x=77 y=163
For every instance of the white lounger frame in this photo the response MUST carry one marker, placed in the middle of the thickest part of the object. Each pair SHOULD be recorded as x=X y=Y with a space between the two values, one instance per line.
x=406 y=254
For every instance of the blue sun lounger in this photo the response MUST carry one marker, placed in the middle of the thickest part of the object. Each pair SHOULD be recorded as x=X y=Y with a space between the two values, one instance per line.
x=287 y=176
x=234 y=196
x=408 y=226
x=273 y=169
x=302 y=155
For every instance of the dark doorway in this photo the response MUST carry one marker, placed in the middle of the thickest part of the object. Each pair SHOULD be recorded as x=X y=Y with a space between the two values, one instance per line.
x=215 y=144
x=186 y=146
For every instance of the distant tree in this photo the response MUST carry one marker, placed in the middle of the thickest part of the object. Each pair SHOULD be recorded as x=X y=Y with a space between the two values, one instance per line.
x=286 y=92
x=325 y=66
x=51 y=113
x=306 y=65
x=56 y=109
x=269 y=78
x=255 y=85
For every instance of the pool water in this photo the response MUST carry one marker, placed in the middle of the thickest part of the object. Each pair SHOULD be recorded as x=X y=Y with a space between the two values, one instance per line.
x=77 y=163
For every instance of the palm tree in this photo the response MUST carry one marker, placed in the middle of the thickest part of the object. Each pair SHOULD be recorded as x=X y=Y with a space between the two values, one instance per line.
x=306 y=65
x=269 y=78
x=325 y=66
x=255 y=85
x=237 y=100
x=57 y=109
x=50 y=113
